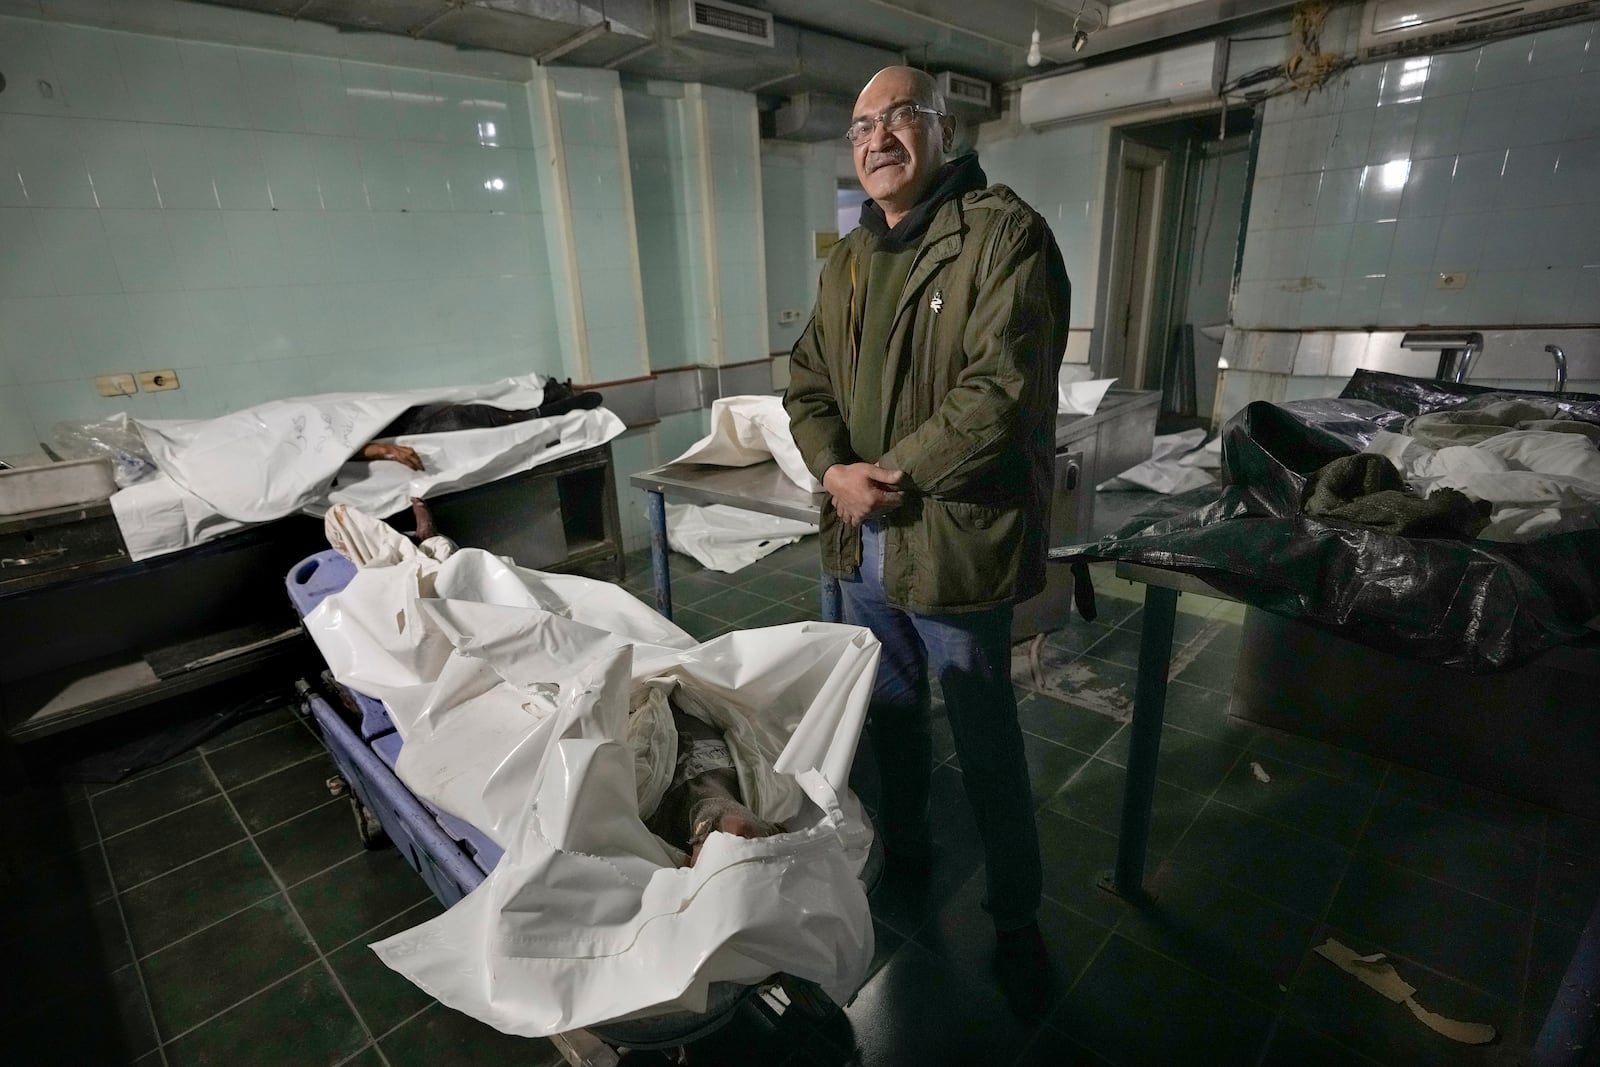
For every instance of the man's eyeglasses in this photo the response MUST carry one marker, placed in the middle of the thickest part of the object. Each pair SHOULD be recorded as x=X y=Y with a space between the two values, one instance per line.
x=896 y=118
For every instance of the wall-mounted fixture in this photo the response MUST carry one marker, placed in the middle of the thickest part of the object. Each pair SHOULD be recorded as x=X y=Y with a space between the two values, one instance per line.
x=1178 y=75
x=1456 y=351
x=1399 y=27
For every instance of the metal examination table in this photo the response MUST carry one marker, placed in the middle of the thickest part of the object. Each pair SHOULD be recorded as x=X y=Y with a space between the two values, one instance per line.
x=763 y=488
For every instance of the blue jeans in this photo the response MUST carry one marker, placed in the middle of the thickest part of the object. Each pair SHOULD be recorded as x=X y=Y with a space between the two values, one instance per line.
x=970 y=654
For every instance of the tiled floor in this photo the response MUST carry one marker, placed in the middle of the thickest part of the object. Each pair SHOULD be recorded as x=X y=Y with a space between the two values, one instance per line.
x=215 y=910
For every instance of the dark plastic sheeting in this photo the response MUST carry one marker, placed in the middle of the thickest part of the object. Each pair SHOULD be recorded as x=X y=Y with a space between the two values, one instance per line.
x=1477 y=606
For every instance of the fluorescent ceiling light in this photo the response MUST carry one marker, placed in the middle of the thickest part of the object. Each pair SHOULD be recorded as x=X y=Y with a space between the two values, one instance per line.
x=1132 y=10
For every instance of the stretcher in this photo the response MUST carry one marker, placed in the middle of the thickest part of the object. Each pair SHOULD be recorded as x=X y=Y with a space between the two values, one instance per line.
x=452 y=857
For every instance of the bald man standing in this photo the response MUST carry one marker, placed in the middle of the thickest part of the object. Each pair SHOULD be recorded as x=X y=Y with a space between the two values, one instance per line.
x=922 y=395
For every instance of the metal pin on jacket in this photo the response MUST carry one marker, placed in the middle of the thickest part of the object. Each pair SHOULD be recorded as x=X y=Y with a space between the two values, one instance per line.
x=936 y=304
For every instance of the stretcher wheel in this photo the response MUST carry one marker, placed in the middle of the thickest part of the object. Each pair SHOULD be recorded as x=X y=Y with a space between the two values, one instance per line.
x=808 y=998
x=373 y=835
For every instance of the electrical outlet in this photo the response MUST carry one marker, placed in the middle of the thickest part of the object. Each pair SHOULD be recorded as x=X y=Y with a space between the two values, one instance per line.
x=116 y=385
x=1453 y=279
x=156 y=381
x=788 y=317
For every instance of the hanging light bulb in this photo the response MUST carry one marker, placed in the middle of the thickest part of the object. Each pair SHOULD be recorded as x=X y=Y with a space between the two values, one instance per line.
x=1033 y=56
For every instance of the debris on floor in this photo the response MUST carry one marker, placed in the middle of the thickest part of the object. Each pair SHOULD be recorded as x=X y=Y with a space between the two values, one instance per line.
x=1376 y=973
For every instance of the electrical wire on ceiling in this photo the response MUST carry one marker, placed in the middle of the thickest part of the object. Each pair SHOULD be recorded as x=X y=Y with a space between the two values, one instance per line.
x=1307 y=69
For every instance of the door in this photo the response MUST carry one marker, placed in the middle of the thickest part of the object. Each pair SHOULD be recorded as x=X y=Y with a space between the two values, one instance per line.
x=1136 y=233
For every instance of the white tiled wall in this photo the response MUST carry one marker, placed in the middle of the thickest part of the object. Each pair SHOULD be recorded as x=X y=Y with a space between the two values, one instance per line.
x=266 y=223
x=1484 y=162
x=592 y=147
x=1060 y=173
x=797 y=197
x=734 y=152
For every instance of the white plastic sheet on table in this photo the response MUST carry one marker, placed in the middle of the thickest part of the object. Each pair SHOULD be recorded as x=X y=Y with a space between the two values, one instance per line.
x=728 y=539
x=265 y=462
x=746 y=430
x=531 y=706
x=1176 y=465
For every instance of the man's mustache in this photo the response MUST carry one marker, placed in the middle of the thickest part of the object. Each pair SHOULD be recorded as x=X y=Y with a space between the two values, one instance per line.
x=878 y=159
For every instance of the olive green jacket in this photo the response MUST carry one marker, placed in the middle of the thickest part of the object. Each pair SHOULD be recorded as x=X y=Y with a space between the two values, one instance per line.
x=970 y=374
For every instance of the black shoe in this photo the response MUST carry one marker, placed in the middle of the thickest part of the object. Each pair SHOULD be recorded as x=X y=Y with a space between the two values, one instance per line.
x=1022 y=969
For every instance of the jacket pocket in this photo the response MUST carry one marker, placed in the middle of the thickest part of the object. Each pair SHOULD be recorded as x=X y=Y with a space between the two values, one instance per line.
x=971 y=556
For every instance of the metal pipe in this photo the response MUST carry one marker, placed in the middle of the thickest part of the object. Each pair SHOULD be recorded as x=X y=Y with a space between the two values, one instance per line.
x=1561 y=366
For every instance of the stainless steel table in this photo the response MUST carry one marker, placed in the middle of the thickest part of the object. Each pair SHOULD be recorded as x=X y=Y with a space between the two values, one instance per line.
x=762 y=487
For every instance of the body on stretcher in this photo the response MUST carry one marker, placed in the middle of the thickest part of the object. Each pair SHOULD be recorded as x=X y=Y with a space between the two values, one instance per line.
x=451 y=855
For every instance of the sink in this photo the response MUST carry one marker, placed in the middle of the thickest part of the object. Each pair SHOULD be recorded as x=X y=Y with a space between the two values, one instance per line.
x=55 y=485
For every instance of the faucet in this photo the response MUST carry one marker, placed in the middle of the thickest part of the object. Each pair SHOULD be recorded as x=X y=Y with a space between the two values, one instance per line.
x=1561 y=367
x=1456 y=351
x=1468 y=353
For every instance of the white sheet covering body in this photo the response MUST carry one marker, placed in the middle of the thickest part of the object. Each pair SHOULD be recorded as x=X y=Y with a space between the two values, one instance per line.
x=1537 y=482
x=513 y=691
x=746 y=430
x=271 y=460
x=729 y=539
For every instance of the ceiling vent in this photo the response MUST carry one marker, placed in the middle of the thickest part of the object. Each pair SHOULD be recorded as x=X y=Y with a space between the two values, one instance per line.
x=717 y=21
x=812 y=117
x=964 y=95
x=1404 y=27
x=1175 y=76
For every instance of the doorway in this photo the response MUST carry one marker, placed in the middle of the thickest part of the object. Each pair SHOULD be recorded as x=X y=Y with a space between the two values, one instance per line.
x=1175 y=222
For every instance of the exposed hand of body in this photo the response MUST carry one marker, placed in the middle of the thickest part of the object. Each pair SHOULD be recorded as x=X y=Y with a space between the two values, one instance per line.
x=398 y=453
x=862 y=490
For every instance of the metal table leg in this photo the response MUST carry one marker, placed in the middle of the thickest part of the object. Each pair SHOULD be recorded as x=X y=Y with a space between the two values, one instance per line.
x=832 y=606
x=659 y=565
x=1149 y=708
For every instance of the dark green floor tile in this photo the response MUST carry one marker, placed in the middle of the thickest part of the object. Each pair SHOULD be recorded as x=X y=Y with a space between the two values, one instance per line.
x=1192 y=761
x=158 y=846
x=1267 y=743
x=1297 y=1045
x=963 y=935
x=1456 y=850
x=1064 y=723
x=1549 y=956
x=691 y=590
x=94 y=789
x=310 y=843
x=1247 y=943
x=1074 y=858
x=1076 y=636
x=152 y=796
x=259 y=1031
x=1573 y=833
x=1208 y=670
x=1205 y=712
x=1569 y=886
x=196 y=895
x=781 y=585
x=262 y=754
x=1051 y=1048
x=1477 y=941
x=259 y=724
x=1290 y=868
x=1304 y=799
x=211 y=971
x=1218 y=636
x=1094 y=797
x=1049 y=766
x=1091 y=683
x=283 y=794
x=1186 y=1018
x=885 y=942
x=731 y=605
x=384 y=998
x=771 y=615
x=346 y=901
x=1506 y=813
x=367 y=1057
x=696 y=624
x=102 y=1020
x=923 y=1010
x=1119 y=646
x=1120 y=611
x=440 y=1037
x=1327 y=1001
